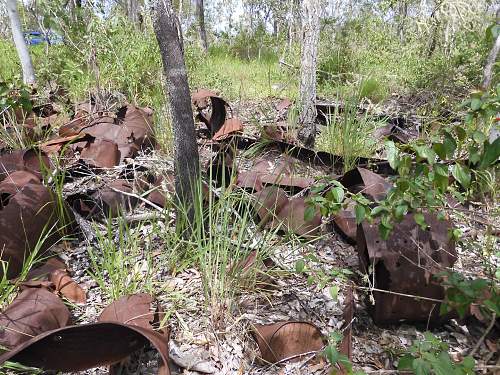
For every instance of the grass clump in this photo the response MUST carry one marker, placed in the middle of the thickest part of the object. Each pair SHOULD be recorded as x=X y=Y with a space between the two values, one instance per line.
x=118 y=265
x=349 y=134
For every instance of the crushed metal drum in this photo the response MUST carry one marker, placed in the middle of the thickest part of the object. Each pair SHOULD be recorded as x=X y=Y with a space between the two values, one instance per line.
x=405 y=264
x=28 y=220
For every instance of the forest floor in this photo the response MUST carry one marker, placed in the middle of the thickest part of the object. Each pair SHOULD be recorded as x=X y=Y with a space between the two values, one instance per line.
x=212 y=330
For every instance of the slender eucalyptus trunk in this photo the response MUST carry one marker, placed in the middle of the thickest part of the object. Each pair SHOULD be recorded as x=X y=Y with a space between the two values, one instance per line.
x=492 y=58
x=310 y=38
x=186 y=159
x=490 y=62
x=133 y=11
x=200 y=13
x=402 y=13
x=21 y=47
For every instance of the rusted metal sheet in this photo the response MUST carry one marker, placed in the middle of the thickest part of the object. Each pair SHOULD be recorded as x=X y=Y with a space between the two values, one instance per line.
x=28 y=220
x=405 y=264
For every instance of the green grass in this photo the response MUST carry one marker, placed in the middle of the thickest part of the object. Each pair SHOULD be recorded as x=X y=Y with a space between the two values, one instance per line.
x=118 y=265
x=349 y=134
x=8 y=288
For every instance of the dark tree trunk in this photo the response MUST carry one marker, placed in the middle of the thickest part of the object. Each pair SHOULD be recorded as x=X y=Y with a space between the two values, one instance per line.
x=200 y=13
x=186 y=159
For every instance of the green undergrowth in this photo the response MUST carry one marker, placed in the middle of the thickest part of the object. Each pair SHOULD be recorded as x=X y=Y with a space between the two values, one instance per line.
x=349 y=134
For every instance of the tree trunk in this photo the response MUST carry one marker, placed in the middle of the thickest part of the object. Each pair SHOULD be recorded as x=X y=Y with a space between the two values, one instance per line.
x=133 y=11
x=186 y=159
x=200 y=13
x=490 y=62
x=402 y=14
x=492 y=58
x=22 y=49
x=310 y=38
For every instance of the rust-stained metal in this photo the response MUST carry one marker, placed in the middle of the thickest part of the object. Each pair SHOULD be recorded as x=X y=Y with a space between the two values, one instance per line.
x=123 y=327
x=115 y=198
x=405 y=264
x=365 y=181
x=102 y=154
x=105 y=139
x=345 y=346
x=370 y=184
x=217 y=116
x=230 y=126
x=276 y=209
x=281 y=173
x=319 y=158
x=81 y=347
x=27 y=219
x=283 y=340
x=345 y=221
x=31 y=160
x=33 y=311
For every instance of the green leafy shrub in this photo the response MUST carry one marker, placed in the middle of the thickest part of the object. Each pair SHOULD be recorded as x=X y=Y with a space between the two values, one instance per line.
x=430 y=356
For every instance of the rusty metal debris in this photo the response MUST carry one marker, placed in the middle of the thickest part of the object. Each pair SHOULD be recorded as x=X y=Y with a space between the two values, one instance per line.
x=116 y=197
x=212 y=110
x=31 y=161
x=105 y=139
x=345 y=222
x=81 y=347
x=28 y=220
x=203 y=99
x=370 y=184
x=345 y=346
x=362 y=180
x=283 y=173
x=33 y=311
x=404 y=266
x=277 y=210
x=287 y=340
x=74 y=348
x=64 y=284
x=135 y=309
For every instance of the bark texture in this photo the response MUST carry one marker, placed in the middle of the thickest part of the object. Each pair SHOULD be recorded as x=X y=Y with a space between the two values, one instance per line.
x=492 y=58
x=490 y=62
x=133 y=11
x=200 y=14
x=311 y=10
x=21 y=47
x=186 y=157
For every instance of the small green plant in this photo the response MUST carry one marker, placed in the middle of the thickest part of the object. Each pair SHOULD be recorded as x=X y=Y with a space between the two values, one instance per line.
x=430 y=356
x=115 y=264
x=13 y=367
x=464 y=156
x=9 y=287
x=311 y=267
x=461 y=293
x=13 y=103
x=336 y=358
x=348 y=134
